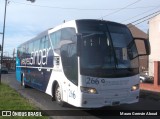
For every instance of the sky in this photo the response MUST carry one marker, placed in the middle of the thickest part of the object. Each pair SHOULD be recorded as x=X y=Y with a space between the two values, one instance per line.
x=25 y=20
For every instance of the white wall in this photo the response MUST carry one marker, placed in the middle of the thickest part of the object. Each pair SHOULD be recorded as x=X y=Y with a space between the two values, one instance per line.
x=154 y=38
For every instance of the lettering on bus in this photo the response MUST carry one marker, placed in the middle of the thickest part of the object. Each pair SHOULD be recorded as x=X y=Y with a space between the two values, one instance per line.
x=103 y=82
x=72 y=94
x=91 y=80
x=37 y=57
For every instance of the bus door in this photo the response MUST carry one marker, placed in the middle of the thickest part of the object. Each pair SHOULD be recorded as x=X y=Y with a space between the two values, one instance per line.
x=70 y=68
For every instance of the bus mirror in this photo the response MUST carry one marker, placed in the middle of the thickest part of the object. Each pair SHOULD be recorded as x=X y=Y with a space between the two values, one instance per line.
x=79 y=40
x=143 y=46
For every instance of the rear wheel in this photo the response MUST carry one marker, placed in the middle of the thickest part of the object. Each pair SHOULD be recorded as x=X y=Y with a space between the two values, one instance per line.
x=58 y=95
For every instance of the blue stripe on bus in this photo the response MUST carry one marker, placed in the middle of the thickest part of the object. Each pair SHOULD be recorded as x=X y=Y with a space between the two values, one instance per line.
x=18 y=69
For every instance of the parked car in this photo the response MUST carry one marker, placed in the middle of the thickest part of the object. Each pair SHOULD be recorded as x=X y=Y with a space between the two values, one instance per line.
x=145 y=78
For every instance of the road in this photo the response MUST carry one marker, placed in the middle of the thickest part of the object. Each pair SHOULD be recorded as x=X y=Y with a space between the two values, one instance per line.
x=43 y=101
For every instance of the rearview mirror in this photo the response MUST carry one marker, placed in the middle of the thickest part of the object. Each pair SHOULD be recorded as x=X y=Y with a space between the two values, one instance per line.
x=143 y=46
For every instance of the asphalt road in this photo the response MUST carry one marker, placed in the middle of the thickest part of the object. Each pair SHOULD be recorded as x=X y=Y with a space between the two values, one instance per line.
x=43 y=101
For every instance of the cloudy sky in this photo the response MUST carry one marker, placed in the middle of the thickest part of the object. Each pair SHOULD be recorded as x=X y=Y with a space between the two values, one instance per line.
x=25 y=19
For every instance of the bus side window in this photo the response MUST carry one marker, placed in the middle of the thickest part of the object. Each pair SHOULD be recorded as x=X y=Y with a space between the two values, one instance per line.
x=44 y=43
x=23 y=51
x=36 y=45
x=47 y=45
x=64 y=55
x=55 y=38
x=47 y=52
x=68 y=34
x=30 y=48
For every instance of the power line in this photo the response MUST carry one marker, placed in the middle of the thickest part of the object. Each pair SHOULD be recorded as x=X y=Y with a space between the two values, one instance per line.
x=155 y=14
x=139 y=14
x=140 y=22
x=56 y=7
x=145 y=20
x=117 y=9
x=146 y=16
x=120 y=9
x=92 y=9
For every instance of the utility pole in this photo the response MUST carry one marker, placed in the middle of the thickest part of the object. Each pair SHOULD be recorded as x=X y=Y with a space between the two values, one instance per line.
x=3 y=33
x=4 y=23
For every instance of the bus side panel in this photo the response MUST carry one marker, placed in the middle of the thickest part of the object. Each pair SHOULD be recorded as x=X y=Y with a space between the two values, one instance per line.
x=18 y=69
x=37 y=78
x=38 y=75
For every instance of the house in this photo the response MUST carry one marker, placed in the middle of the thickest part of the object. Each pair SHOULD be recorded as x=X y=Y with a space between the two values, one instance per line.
x=154 y=57
x=154 y=37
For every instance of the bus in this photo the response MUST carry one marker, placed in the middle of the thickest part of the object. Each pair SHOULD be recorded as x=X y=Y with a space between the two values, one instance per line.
x=86 y=63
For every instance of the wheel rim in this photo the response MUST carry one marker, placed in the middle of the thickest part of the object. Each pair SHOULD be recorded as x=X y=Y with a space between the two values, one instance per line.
x=58 y=95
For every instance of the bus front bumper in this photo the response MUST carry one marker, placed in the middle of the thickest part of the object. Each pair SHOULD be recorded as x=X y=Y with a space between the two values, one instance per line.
x=100 y=100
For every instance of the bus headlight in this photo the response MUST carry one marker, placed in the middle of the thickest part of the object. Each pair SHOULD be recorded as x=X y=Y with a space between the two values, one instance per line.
x=135 y=87
x=88 y=90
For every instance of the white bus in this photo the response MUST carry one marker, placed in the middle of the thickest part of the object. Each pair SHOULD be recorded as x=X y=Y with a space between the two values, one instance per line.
x=86 y=63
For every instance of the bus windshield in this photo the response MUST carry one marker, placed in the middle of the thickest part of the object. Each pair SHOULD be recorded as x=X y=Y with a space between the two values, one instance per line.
x=106 y=50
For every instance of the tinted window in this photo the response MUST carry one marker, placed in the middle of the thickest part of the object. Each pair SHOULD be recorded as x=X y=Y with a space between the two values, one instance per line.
x=68 y=34
x=55 y=38
x=44 y=43
x=36 y=45
x=69 y=62
x=105 y=49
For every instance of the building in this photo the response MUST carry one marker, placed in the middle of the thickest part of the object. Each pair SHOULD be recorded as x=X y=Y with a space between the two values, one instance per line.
x=154 y=37
x=154 y=58
x=9 y=63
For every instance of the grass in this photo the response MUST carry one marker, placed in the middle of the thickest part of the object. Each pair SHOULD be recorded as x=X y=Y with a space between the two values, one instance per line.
x=11 y=100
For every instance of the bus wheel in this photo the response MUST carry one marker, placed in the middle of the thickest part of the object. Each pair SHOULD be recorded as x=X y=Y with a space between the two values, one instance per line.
x=58 y=96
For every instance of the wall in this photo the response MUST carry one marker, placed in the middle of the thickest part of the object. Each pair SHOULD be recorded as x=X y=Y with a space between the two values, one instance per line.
x=154 y=37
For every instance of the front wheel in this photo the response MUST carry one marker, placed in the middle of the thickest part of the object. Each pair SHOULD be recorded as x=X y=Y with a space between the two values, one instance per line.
x=58 y=95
